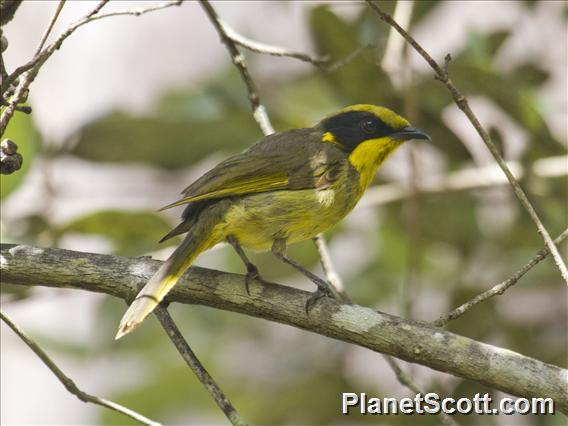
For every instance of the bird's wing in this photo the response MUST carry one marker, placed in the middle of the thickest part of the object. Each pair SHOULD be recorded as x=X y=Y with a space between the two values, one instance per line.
x=274 y=163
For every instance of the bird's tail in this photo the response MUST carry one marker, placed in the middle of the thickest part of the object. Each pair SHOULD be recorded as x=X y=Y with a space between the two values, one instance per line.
x=198 y=239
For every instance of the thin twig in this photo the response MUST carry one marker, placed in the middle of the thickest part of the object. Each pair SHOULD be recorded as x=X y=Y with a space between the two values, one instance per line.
x=98 y=8
x=500 y=288
x=258 y=110
x=407 y=381
x=50 y=26
x=462 y=103
x=67 y=382
x=133 y=12
x=323 y=63
x=334 y=66
x=267 y=49
x=331 y=275
x=395 y=63
x=401 y=375
x=29 y=70
x=193 y=362
x=91 y=16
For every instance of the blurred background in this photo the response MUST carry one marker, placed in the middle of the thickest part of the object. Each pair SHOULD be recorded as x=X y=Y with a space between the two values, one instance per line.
x=130 y=110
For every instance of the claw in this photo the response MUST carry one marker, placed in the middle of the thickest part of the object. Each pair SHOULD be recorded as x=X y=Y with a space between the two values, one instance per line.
x=252 y=274
x=314 y=297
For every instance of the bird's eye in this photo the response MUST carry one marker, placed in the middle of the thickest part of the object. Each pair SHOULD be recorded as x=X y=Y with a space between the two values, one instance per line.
x=369 y=126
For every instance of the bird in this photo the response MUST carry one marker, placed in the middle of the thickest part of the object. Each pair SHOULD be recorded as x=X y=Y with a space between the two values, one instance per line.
x=287 y=187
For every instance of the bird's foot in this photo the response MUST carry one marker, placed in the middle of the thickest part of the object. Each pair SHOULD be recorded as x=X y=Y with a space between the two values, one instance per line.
x=252 y=274
x=322 y=291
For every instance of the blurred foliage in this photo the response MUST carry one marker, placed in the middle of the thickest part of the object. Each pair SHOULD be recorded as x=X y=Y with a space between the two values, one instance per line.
x=463 y=242
x=131 y=233
x=184 y=128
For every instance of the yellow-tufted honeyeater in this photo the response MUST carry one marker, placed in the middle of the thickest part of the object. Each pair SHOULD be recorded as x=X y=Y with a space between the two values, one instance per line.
x=287 y=187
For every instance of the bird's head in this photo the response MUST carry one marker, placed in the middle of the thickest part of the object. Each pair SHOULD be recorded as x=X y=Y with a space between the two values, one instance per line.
x=356 y=124
x=368 y=134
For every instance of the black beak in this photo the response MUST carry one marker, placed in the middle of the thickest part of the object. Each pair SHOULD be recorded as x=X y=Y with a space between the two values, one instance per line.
x=410 y=133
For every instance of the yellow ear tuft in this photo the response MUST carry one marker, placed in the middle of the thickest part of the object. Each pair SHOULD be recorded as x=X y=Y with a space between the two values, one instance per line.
x=390 y=118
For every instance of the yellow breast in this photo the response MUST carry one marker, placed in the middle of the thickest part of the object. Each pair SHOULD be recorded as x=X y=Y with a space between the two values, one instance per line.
x=258 y=219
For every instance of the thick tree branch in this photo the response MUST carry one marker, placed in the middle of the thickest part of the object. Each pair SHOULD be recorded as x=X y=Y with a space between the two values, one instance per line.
x=67 y=382
x=414 y=341
x=462 y=103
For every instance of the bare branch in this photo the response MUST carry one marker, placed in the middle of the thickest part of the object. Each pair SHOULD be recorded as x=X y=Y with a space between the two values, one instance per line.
x=334 y=66
x=28 y=71
x=97 y=9
x=50 y=26
x=258 y=47
x=258 y=110
x=331 y=275
x=500 y=288
x=198 y=369
x=410 y=340
x=323 y=63
x=462 y=103
x=68 y=383
x=407 y=381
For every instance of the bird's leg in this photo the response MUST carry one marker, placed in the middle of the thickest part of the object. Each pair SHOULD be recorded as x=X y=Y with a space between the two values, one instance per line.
x=252 y=270
x=279 y=250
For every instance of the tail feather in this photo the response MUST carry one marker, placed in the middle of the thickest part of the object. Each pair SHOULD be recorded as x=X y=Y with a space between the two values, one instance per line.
x=197 y=240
